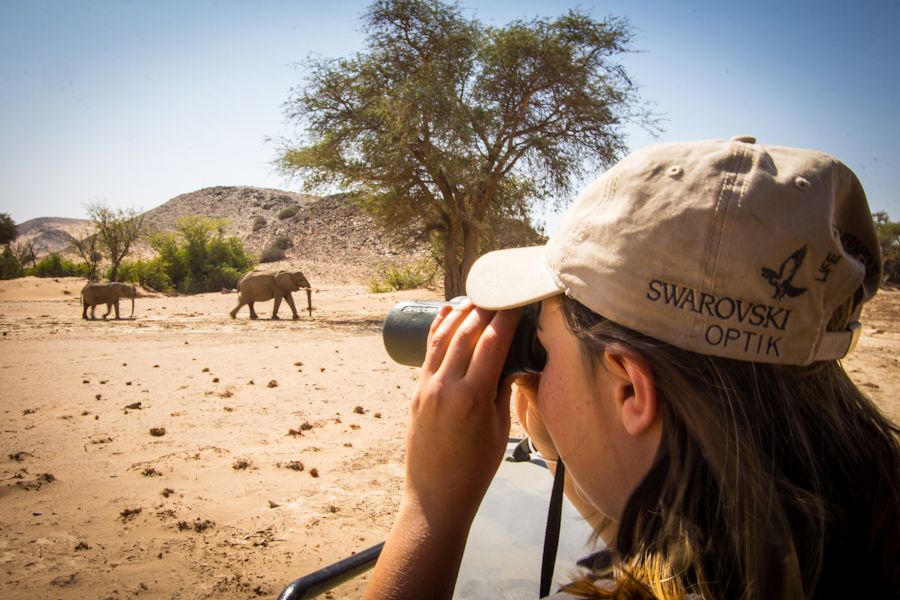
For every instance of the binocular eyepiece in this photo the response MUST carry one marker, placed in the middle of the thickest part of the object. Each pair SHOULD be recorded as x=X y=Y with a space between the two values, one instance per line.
x=407 y=324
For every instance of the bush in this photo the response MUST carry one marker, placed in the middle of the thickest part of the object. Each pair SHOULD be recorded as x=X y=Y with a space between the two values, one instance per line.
x=287 y=213
x=892 y=270
x=54 y=265
x=198 y=257
x=10 y=267
x=271 y=253
x=223 y=277
x=258 y=223
x=150 y=274
x=282 y=241
x=396 y=278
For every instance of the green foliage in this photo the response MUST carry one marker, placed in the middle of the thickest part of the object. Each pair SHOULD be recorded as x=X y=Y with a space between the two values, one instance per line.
x=54 y=265
x=287 y=213
x=116 y=231
x=199 y=257
x=446 y=122
x=889 y=239
x=149 y=274
x=15 y=259
x=8 y=229
x=258 y=223
x=10 y=267
x=409 y=277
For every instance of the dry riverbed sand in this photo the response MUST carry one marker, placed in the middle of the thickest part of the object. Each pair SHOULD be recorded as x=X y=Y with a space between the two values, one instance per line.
x=183 y=454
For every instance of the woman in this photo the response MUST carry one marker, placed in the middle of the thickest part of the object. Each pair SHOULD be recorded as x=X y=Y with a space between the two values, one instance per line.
x=696 y=301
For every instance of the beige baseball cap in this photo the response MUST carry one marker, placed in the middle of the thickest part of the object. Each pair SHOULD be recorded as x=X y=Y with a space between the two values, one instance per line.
x=723 y=247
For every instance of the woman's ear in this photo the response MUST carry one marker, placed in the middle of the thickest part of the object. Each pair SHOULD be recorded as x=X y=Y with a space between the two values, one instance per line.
x=635 y=391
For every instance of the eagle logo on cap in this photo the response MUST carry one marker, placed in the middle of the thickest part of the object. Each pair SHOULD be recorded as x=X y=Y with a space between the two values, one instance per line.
x=782 y=279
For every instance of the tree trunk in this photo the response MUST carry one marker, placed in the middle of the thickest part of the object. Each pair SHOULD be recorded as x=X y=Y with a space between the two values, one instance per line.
x=471 y=249
x=454 y=282
x=461 y=249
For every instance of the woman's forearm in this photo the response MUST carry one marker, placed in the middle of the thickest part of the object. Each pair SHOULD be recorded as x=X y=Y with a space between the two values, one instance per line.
x=421 y=557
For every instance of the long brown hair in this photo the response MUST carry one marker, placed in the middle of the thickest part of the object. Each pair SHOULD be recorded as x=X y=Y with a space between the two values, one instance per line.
x=770 y=481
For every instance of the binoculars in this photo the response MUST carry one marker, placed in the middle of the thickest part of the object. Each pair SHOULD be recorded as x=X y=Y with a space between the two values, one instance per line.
x=407 y=324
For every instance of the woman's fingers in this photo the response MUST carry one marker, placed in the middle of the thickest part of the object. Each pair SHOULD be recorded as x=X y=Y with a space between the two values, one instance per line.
x=489 y=354
x=459 y=357
x=441 y=333
x=470 y=342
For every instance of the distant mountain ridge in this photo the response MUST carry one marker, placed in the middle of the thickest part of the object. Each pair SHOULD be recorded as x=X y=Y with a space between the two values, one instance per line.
x=48 y=234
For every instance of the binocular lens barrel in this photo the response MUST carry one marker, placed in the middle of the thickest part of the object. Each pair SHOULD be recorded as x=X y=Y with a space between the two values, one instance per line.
x=406 y=327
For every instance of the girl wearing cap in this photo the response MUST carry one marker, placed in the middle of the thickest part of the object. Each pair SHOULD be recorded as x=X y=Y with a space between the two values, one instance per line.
x=696 y=300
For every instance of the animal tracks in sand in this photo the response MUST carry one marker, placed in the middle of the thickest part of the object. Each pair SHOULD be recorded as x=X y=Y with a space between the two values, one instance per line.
x=69 y=411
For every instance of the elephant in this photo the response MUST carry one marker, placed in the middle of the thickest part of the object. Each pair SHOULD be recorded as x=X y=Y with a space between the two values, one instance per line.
x=259 y=286
x=105 y=293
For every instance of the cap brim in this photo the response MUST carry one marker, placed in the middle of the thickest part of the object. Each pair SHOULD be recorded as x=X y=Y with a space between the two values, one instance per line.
x=510 y=278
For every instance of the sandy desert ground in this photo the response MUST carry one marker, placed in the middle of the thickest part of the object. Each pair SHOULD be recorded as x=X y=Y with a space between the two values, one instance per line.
x=182 y=454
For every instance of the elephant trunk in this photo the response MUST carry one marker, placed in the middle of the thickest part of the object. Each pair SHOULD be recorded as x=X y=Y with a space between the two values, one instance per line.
x=309 y=301
x=132 y=305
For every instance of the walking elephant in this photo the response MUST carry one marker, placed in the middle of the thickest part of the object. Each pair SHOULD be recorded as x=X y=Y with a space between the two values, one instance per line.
x=260 y=286
x=105 y=293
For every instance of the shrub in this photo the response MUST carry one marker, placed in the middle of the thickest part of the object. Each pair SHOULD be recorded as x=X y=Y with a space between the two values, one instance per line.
x=10 y=267
x=408 y=277
x=224 y=276
x=150 y=274
x=271 y=253
x=892 y=270
x=258 y=223
x=283 y=242
x=198 y=257
x=287 y=213
x=54 y=265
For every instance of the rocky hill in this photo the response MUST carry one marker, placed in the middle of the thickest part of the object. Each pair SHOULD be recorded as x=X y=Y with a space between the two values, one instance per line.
x=48 y=234
x=332 y=240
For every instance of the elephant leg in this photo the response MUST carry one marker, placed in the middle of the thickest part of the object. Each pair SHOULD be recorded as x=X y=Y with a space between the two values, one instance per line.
x=108 y=309
x=236 y=309
x=116 y=305
x=290 y=300
x=93 y=309
x=253 y=314
x=84 y=312
x=275 y=308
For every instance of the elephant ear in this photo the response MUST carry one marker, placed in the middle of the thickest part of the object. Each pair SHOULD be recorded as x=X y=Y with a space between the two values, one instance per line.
x=285 y=281
x=301 y=280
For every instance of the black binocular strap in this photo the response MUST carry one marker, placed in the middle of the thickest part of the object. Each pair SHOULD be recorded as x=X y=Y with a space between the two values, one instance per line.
x=551 y=533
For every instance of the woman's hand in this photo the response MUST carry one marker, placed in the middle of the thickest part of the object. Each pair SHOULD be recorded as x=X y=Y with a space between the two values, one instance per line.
x=457 y=433
x=459 y=416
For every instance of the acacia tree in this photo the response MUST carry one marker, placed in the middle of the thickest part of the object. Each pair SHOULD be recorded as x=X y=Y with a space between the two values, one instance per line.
x=87 y=244
x=452 y=124
x=8 y=229
x=889 y=239
x=116 y=230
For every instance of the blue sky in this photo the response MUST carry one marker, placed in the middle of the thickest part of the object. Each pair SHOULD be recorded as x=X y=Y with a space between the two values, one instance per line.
x=132 y=102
